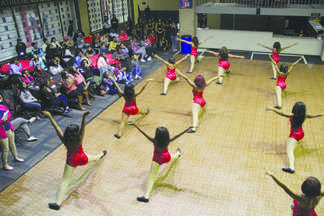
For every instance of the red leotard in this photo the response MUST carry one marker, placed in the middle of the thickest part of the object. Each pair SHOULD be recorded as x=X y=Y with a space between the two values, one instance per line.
x=171 y=74
x=194 y=51
x=224 y=63
x=281 y=82
x=198 y=98
x=161 y=156
x=275 y=57
x=130 y=107
x=298 y=211
x=76 y=157
x=297 y=134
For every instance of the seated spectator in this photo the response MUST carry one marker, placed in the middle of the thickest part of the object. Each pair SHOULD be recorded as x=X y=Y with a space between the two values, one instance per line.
x=136 y=71
x=113 y=45
x=151 y=37
x=80 y=40
x=108 y=85
x=19 y=122
x=105 y=38
x=90 y=51
x=67 y=43
x=103 y=48
x=55 y=69
x=21 y=49
x=70 y=89
x=81 y=84
x=37 y=51
x=14 y=74
x=95 y=44
x=52 y=99
x=39 y=73
x=121 y=57
x=37 y=60
x=78 y=59
x=103 y=65
x=120 y=75
x=52 y=52
x=28 y=101
x=91 y=76
x=113 y=34
x=27 y=78
x=148 y=48
x=124 y=48
x=55 y=43
x=123 y=36
x=45 y=45
x=137 y=49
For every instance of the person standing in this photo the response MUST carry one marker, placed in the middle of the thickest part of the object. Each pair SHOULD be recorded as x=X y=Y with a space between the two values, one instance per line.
x=114 y=23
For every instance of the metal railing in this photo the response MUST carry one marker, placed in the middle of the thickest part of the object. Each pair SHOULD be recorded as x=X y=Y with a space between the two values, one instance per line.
x=304 y=4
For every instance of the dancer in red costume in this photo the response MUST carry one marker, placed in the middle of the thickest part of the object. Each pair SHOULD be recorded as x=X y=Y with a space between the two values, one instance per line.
x=223 y=63
x=198 y=104
x=130 y=107
x=276 y=50
x=305 y=203
x=161 y=155
x=282 y=72
x=297 y=118
x=72 y=139
x=194 y=50
x=171 y=75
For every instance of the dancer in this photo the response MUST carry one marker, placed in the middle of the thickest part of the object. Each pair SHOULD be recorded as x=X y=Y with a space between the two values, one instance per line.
x=198 y=104
x=7 y=137
x=283 y=72
x=171 y=75
x=305 y=203
x=161 y=155
x=194 y=50
x=223 y=63
x=130 y=107
x=276 y=50
x=72 y=139
x=297 y=118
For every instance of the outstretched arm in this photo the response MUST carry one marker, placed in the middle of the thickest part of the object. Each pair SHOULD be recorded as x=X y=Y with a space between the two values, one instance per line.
x=285 y=188
x=275 y=64
x=291 y=45
x=202 y=41
x=314 y=115
x=279 y=112
x=212 y=52
x=162 y=60
x=116 y=84
x=143 y=87
x=192 y=84
x=180 y=134
x=181 y=60
x=83 y=124
x=213 y=79
x=56 y=127
x=179 y=39
x=264 y=46
x=235 y=56
x=145 y=134
x=293 y=65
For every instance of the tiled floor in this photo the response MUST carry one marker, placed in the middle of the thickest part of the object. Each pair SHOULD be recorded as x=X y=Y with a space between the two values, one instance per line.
x=222 y=170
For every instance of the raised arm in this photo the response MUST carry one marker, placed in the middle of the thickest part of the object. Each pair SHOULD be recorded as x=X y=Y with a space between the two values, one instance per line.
x=145 y=134
x=212 y=52
x=116 y=84
x=235 y=56
x=264 y=46
x=56 y=127
x=293 y=65
x=285 y=188
x=143 y=87
x=179 y=39
x=192 y=84
x=314 y=115
x=181 y=60
x=279 y=112
x=162 y=60
x=213 y=79
x=275 y=64
x=83 y=124
x=286 y=47
x=180 y=134
x=202 y=41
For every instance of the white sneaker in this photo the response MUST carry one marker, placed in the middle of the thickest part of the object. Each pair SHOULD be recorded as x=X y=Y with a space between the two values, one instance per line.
x=149 y=58
x=32 y=139
x=143 y=60
x=32 y=119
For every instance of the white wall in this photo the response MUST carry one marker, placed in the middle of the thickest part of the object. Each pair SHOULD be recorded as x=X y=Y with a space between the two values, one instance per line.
x=248 y=40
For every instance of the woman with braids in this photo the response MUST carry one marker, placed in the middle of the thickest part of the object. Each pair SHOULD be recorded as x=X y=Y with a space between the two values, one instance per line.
x=276 y=50
x=297 y=118
x=198 y=104
x=305 y=203
x=130 y=107
x=161 y=155
x=72 y=140
x=223 y=63
x=282 y=72
x=170 y=75
x=194 y=50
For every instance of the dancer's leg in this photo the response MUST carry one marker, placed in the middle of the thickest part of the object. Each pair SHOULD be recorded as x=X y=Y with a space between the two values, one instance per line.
x=166 y=85
x=122 y=126
x=221 y=72
x=195 y=117
x=12 y=146
x=192 y=63
x=149 y=187
x=279 y=98
x=291 y=145
x=274 y=71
